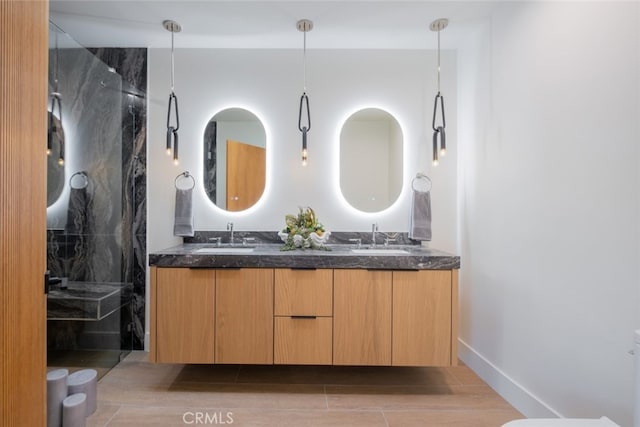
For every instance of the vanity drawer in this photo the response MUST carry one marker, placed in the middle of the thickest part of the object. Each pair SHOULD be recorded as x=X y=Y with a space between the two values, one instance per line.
x=303 y=341
x=303 y=292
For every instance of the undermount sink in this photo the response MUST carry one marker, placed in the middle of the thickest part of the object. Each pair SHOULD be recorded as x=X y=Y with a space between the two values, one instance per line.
x=379 y=251
x=224 y=250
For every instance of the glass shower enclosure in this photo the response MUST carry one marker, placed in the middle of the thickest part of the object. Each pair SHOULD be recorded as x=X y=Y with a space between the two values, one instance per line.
x=89 y=318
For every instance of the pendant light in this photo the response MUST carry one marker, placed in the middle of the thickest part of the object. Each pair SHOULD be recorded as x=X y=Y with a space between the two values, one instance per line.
x=305 y=26
x=172 y=131
x=438 y=103
x=56 y=101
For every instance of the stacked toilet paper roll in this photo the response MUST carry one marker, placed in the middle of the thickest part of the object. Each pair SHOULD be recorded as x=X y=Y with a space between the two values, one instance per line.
x=56 y=393
x=74 y=410
x=85 y=381
x=71 y=398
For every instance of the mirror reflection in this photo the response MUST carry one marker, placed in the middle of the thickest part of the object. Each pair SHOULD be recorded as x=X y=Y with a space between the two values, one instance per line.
x=234 y=159
x=55 y=168
x=371 y=150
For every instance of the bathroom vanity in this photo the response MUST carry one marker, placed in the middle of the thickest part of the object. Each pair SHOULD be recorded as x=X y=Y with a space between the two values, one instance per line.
x=385 y=307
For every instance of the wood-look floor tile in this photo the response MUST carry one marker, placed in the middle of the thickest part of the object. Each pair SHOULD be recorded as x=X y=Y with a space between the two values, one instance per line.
x=137 y=356
x=208 y=373
x=104 y=413
x=343 y=375
x=139 y=393
x=413 y=397
x=486 y=418
x=250 y=418
x=277 y=396
x=142 y=372
x=464 y=375
x=181 y=416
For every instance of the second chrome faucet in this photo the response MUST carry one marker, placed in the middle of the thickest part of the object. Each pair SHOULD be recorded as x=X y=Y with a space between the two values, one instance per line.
x=230 y=230
x=374 y=230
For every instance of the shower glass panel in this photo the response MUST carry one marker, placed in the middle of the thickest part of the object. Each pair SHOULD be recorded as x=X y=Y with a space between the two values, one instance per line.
x=89 y=303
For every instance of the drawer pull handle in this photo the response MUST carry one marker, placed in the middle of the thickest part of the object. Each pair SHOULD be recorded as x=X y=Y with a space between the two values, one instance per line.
x=303 y=317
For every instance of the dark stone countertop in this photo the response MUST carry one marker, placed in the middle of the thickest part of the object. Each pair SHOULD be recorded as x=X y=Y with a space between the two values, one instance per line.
x=339 y=256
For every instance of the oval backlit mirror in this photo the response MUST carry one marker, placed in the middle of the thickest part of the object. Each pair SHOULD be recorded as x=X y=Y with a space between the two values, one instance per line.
x=234 y=159
x=371 y=151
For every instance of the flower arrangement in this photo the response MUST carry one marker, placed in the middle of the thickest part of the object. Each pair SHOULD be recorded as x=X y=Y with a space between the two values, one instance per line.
x=303 y=231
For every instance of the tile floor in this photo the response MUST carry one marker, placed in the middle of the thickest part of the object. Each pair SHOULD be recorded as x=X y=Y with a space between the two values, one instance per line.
x=139 y=393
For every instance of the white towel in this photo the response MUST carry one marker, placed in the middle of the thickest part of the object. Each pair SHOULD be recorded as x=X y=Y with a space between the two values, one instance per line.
x=420 y=226
x=183 y=225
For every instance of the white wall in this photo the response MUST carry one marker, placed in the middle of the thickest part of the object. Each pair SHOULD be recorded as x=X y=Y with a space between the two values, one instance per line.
x=549 y=205
x=269 y=83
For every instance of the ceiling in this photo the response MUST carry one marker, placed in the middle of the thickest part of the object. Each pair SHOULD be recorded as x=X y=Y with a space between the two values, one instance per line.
x=350 y=24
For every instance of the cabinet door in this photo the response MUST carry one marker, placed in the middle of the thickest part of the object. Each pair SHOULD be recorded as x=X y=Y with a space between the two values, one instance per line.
x=244 y=316
x=184 y=315
x=362 y=317
x=422 y=318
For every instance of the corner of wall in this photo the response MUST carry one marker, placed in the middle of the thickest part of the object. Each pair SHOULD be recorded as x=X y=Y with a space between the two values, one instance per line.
x=519 y=397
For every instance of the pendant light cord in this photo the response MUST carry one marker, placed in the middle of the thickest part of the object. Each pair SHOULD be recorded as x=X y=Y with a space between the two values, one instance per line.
x=438 y=61
x=304 y=62
x=173 y=67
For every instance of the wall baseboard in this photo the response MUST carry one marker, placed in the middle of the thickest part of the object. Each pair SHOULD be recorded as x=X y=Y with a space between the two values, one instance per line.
x=523 y=400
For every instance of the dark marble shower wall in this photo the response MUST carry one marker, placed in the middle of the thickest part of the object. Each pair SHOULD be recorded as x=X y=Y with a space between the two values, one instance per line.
x=131 y=64
x=112 y=245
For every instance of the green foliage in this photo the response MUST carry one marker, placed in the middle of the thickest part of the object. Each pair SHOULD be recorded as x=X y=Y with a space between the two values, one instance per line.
x=302 y=225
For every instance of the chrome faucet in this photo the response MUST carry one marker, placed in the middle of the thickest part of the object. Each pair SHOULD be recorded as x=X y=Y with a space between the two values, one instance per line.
x=358 y=242
x=374 y=229
x=230 y=230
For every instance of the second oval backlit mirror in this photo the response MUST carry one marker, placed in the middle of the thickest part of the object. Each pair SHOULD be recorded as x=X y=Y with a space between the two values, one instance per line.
x=234 y=159
x=371 y=151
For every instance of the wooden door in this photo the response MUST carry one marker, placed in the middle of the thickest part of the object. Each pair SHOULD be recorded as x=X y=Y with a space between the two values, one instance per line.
x=362 y=317
x=184 y=315
x=422 y=307
x=23 y=133
x=246 y=165
x=244 y=316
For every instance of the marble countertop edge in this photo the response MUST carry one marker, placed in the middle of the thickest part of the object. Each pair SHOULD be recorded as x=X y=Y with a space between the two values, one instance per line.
x=338 y=256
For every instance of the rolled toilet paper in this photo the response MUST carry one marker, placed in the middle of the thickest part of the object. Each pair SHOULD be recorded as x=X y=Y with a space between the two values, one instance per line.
x=56 y=393
x=85 y=381
x=74 y=410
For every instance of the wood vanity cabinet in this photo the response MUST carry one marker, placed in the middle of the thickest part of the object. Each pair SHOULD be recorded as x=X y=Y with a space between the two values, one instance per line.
x=304 y=316
x=182 y=313
x=244 y=316
x=362 y=317
x=303 y=322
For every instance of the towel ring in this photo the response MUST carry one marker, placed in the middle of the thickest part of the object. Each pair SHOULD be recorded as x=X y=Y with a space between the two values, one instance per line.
x=185 y=174
x=421 y=177
x=84 y=184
